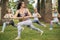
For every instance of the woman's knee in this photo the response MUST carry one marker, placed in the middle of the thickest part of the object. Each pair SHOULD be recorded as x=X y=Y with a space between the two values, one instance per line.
x=51 y=22
x=19 y=28
x=4 y=23
x=18 y=24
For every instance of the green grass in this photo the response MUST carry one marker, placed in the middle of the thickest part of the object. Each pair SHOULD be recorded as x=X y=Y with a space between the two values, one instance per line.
x=28 y=34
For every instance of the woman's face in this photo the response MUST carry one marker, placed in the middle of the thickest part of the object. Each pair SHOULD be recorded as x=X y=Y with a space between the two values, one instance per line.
x=23 y=4
x=9 y=11
x=35 y=10
x=55 y=10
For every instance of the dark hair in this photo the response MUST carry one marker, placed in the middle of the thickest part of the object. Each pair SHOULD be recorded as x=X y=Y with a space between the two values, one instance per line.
x=19 y=5
x=7 y=10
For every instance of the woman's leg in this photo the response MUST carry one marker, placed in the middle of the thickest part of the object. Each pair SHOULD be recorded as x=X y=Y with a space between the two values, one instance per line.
x=4 y=25
x=37 y=29
x=12 y=23
x=51 y=25
x=58 y=23
x=28 y=22
x=19 y=32
x=38 y=22
x=19 y=27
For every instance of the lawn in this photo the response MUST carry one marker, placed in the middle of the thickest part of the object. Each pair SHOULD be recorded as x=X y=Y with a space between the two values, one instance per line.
x=28 y=34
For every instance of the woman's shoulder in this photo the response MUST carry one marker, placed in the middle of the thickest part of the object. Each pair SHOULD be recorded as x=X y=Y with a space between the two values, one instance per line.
x=6 y=14
x=11 y=14
x=17 y=10
x=37 y=13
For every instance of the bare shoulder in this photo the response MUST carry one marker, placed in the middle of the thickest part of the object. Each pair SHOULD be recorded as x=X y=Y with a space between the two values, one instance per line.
x=37 y=13
x=6 y=14
x=17 y=10
x=11 y=13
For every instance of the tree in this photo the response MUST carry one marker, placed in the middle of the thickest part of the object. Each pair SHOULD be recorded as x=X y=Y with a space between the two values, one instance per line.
x=21 y=0
x=4 y=5
x=0 y=12
x=26 y=1
x=59 y=6
x=46 y=10
x=42 y=9
x=38 y=5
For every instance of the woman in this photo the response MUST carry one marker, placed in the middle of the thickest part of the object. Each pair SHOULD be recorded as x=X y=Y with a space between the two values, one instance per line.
x=23 y=14
x=36 y=15
x=55 y=18
x=7 y=19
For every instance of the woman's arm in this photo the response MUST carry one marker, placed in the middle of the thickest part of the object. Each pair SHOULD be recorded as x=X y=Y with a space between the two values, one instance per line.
x=5 y=16
x=39 y=16
x=16 y=13
x=53 y=15
x=11 y=16
x=15 y=16
x=58 y=15
x=29 y=14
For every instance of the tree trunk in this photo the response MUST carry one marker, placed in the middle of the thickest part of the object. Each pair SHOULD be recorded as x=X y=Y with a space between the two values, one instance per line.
x=38 y=5
x=0 y=12
x=42 y=9
x=59 y=6
x=26 y=1
x=48 y=11
x=21 y=0
x=4 y=8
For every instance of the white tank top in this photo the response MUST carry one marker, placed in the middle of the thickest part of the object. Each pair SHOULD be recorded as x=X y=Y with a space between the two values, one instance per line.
x=26 y=14
x=9 y=15
x=35 y=16
x=55 y=16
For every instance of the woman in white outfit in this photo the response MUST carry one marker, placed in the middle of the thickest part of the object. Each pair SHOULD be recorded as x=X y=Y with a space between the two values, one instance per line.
x=36 y=15
x=23 y=14
x=7 y=19
x=55 y=16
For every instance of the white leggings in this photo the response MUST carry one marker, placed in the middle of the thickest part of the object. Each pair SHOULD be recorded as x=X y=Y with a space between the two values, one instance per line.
x=4 y=25
x=27 y=22
x=54 y=21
